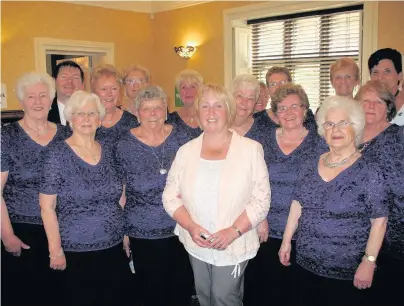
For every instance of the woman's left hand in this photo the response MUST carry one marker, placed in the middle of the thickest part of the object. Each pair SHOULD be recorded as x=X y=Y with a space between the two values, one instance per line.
x=222 y=239
x=364 y=275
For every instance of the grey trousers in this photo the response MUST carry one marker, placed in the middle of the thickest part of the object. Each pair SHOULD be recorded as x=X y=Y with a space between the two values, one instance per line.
x=216 y=286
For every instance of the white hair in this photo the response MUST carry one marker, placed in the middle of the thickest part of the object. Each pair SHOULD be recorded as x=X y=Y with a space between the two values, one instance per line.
x=79 y=99
x=33 y=78
x=189 y=76
x=150 y=93
x=351 y=107
x=246 y=80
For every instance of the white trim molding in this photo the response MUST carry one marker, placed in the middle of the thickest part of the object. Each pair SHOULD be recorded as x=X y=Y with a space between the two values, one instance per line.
x=239 y=15
x=44 y=46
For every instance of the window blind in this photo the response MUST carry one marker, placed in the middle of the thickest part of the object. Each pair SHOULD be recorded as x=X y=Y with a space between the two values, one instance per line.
x=307 y=44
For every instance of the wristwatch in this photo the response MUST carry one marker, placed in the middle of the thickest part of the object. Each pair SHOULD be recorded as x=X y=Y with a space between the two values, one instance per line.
x=370 y=258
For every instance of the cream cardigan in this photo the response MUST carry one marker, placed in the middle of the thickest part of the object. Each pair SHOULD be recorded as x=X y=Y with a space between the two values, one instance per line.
x=244 y=185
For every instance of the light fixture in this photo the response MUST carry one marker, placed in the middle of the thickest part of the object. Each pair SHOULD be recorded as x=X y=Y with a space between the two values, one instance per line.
x=185 y=52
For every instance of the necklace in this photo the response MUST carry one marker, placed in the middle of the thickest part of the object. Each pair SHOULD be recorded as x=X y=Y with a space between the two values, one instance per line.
x=161 y=164
x=93 y=156
x=331 y=165
x=39 y=133
x=281 y=134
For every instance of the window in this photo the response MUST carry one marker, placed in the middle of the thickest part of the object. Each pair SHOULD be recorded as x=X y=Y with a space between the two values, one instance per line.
x=307 y=43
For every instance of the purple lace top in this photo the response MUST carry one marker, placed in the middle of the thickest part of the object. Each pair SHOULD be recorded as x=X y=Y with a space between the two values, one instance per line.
x=145 y=215
x=387 y=149
x=23 y=158
x=90 y=217
x=175 y=119
x=127 y=122
x=335 y=223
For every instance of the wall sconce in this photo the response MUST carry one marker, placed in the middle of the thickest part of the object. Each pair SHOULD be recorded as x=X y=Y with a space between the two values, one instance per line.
x=185 y=52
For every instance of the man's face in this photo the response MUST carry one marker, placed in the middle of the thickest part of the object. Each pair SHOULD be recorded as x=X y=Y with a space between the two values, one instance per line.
x=68 y=81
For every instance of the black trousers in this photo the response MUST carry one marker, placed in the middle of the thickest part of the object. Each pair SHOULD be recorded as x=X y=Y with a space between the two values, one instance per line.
x=267 y=281
x=163 y=271
x=99 y=278
x=28 y=279
x=314 y=290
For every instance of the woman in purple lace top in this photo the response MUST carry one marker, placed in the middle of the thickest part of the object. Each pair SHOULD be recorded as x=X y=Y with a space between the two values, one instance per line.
x=144 y=155
x=79 y=198
x=24 y=245
x=106 y=83
x=383 y=142
x=187 y=83
x=341 y=208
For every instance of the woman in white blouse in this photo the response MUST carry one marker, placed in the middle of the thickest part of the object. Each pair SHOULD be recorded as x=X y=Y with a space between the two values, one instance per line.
x=218 y=192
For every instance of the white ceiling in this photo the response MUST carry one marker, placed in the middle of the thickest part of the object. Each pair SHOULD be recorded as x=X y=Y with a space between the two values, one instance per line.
x=143 y=6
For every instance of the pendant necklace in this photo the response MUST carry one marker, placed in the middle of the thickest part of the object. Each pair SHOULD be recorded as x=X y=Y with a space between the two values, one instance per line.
x=329 y=164
x=161 y=164
x=39 y=133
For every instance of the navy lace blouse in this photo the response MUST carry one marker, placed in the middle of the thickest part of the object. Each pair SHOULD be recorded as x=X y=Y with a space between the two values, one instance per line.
x=387 y=149
x=175 y=119
x=23 y=158
x=283 y=169
x=127 y=122
x=335 y=223
x=145 y=215
x=90 y=217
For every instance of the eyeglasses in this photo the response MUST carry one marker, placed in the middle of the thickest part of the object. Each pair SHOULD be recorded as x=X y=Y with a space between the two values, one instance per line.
x=148 y=110
x=378 y=102
x=134 y=81
x=328 y=125
x=273 y=84
x=81 y=115
x=293 y=107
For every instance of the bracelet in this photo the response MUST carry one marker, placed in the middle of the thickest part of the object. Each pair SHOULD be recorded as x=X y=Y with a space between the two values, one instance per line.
x=59 y=255
x=237 y=230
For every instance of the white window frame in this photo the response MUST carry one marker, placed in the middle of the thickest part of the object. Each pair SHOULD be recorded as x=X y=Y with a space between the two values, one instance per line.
x=232 y=18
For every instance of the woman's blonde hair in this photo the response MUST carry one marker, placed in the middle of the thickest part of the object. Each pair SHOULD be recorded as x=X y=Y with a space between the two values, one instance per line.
x=105 y=70
x=79 y=99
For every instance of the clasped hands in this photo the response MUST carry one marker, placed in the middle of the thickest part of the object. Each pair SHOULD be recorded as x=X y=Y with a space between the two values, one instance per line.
x=218 y=241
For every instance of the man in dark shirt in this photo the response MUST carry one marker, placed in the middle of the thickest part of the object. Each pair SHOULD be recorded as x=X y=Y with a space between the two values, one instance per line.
x=69 y=78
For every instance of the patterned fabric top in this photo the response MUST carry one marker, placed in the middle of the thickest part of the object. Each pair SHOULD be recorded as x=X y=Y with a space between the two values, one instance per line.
x=127 y=122
x=175 y=119
x=90 y=217
x=335 y=223
x=387 y=149
x=22 y=157
x=145 y=215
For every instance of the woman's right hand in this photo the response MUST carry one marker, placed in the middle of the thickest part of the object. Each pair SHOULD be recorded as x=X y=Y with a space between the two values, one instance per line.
x=58 y=263
x=284 y=253
x=195 y=231
x=13 y=245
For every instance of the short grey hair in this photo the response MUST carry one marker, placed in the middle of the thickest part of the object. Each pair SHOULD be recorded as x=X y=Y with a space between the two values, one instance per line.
x=351 y=107
x=190 y=76
x=33 y=78
x=79 y=99
x=140 y=68
x=149 y=93
x=246 y=80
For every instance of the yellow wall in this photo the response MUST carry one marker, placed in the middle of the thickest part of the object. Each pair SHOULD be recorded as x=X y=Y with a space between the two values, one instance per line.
x=139 y=39
x=391 y=30
x=22 y=21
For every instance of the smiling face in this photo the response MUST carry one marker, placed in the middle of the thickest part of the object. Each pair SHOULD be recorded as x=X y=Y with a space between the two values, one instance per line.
x=291 y=112
x=341 y=136
x=152 y=113
x=85 y=119
x=36 y=102
x=213 y=116
x=275 y=80
x=262 y=100
x=385 y=72
x=68 y=81
x=374 y=107
x=135 y=81
x=245 y=100
x=344 y=82
x=188 y=92
x=108 y=90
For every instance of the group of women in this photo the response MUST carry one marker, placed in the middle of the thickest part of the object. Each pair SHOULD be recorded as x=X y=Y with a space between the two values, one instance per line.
x=132 y=205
